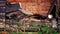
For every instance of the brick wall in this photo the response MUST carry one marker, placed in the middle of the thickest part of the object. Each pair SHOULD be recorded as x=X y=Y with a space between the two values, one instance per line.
x=40 y=7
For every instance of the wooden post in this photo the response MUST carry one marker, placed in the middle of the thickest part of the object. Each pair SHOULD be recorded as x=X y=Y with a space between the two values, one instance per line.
x=57 y=9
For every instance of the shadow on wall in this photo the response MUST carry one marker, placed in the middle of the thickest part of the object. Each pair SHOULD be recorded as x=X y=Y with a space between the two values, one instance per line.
x=53 y=12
